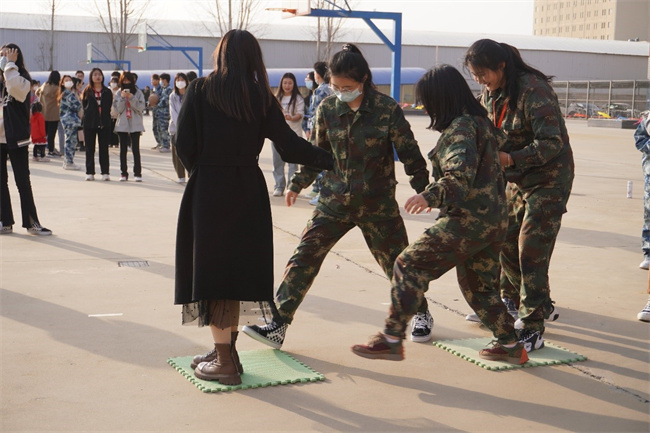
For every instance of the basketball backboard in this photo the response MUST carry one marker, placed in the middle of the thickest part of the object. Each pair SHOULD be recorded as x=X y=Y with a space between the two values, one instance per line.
x=142 y=37
x=89 y=52
x=294 y=8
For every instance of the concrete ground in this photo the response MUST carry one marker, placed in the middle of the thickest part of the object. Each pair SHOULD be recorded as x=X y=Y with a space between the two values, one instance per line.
x=63 y=368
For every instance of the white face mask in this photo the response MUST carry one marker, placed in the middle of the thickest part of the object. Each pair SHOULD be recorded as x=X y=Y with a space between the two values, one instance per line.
x=348 y=96
x=68 y=84
x=112 y=84
x=309 y=84
x=181 y=84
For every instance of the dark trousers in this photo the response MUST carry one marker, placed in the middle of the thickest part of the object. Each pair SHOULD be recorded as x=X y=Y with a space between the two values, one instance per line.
x=20 y=165
x=50 y=130
x=385 y=239
x=101 y=135
x=132 y=138
x=115 y=140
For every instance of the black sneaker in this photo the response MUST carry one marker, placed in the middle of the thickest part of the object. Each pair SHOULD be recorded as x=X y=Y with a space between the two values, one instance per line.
x=421 y=327
x=532 y=340
x=553 y=313
x=37 y=229
x=271 y=334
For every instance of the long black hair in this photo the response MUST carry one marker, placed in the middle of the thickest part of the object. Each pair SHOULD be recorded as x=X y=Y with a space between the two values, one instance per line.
x=350 y=63
x=295 y=94
x=20 y=61
x=238 y=65
x=489 y=54
x=90 y=87
x=54 y=78
x=445 y=95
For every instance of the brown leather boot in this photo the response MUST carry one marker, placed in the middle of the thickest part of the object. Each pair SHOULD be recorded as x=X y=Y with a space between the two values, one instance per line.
x=210 y=356
x=233 y=352
x=221 y=369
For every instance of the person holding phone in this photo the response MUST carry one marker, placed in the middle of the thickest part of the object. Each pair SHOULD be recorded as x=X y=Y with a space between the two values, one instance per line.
x=129 y=105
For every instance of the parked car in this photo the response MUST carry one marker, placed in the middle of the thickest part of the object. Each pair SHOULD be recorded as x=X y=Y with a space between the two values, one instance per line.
x=580 y=109
x=620 y=109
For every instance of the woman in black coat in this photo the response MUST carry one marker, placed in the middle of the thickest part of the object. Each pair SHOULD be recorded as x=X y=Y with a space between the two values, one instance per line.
x=97 y=100
x=224 y=244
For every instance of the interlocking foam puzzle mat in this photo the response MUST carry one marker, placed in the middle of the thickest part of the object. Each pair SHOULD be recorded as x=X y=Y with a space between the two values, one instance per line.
x=468 y=349
x=266 y=367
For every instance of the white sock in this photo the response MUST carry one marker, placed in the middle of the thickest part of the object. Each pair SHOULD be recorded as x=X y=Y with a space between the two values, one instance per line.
x=391 y=339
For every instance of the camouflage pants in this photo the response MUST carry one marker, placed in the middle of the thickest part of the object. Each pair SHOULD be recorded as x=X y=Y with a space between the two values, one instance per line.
x=71 y=141
x=161 y=130
x=533 y=225
x=386 y=239
x=437 y=251
x=645 y=233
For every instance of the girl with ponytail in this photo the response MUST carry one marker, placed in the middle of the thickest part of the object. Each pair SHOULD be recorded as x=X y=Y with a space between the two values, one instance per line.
x=538 y=163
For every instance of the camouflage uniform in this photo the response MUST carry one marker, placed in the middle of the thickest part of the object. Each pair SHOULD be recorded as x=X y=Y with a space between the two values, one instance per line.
x=539 y=187
x=642 y=142
x=70 y=121
x=161 y=116
x=358 y=191
x=467 y=235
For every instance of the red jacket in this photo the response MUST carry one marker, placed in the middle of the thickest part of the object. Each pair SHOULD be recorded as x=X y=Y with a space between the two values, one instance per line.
x=37 y=122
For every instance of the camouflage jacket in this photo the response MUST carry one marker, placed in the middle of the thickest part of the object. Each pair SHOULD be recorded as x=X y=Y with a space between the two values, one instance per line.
x=69 y=110
x=469 y=188
x=362 y=182
x=538 y=141
x=162 y=108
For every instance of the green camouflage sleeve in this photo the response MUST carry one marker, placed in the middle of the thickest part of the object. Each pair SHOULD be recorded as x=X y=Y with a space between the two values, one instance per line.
x=458 y=161
x=543 y=112
x=407 y=149
x=306 y=175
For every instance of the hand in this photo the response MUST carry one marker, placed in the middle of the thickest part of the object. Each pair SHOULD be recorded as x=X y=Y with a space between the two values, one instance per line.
x=126 y=95
x=11 y=53
x=290 y=197
x=307 y=135
x=287 y=116
x=416 y=204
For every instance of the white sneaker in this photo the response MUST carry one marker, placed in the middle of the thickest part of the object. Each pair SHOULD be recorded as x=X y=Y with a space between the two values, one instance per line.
x=138 y=178
x=90 y=177
x=181 y=180
x=645 y=264
x=123 y=178
x=421 y=325
x=644 y=315
x=106 y=177
x=278 y=192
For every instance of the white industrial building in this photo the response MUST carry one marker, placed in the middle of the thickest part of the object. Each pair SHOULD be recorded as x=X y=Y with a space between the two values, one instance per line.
x=291 y=46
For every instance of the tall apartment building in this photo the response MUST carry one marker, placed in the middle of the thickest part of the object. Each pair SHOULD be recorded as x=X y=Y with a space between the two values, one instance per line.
x=593 y=19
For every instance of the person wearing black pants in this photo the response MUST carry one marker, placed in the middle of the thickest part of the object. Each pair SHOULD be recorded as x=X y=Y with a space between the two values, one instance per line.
x=15 y=85
x=97 y=100
x=133 y=139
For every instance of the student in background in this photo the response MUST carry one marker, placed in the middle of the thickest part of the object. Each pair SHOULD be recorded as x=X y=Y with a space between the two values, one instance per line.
x=39 y=137
x=175 y=103
x=293 y=107
x=97 y=100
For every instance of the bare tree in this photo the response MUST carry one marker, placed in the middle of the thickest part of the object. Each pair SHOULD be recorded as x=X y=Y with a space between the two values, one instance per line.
x=233 y=14
x=46 y=48
x=121 y=19
x=327 y=29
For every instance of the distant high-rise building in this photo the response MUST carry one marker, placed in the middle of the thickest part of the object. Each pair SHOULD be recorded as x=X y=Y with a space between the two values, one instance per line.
x=593 y=19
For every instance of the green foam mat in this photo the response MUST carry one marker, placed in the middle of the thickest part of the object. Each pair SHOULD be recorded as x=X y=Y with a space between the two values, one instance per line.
x=468 y=349
x=266 y=367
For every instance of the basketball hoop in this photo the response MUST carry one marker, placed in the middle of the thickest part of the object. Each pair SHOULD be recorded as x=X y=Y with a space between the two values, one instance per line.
x=134 y=48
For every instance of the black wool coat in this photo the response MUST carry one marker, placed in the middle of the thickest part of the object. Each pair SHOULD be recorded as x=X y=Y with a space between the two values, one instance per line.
x=224 y=241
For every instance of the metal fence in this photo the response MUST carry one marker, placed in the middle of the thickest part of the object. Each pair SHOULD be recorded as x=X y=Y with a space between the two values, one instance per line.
x=603 y=99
